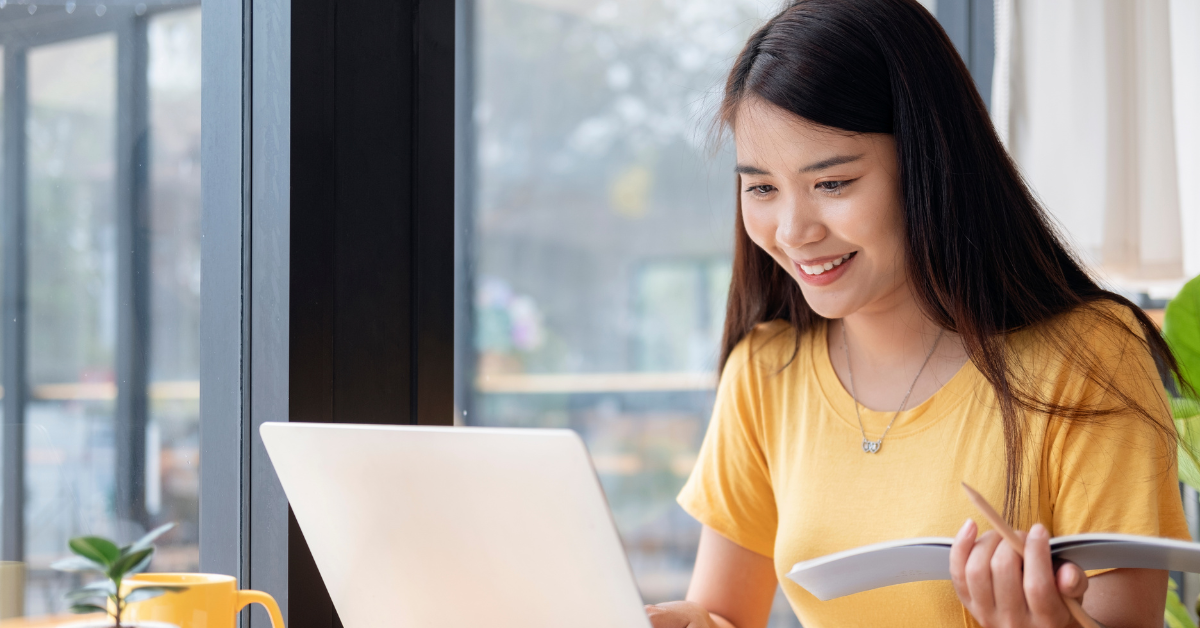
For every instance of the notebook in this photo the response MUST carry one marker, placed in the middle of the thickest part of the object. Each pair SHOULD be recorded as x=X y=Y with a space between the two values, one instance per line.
x=928 y=558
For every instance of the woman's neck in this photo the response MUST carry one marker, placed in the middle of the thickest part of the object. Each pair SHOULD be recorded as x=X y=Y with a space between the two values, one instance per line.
x=887 y=344
x=891 y=335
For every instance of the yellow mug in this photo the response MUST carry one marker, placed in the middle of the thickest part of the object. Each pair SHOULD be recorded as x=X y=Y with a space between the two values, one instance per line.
x=12 y=589
x=210 y=600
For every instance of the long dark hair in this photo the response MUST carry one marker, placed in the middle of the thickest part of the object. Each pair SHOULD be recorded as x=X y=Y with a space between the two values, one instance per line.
x=983 y=259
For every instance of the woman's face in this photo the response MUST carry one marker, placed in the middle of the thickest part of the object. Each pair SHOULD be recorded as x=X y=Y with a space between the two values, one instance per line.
x=826 y=205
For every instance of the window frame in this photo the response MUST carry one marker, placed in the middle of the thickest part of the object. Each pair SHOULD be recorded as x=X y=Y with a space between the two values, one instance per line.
x=971 y=25
x=327 y=255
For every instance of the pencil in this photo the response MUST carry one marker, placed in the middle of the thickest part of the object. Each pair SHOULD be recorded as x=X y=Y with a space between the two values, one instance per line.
x=1018 y=546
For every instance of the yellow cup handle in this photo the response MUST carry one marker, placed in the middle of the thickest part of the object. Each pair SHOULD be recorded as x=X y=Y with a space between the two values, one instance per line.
x=251 y=597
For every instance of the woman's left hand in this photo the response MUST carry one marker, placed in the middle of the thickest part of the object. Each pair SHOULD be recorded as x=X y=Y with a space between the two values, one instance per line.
x=1002 y=591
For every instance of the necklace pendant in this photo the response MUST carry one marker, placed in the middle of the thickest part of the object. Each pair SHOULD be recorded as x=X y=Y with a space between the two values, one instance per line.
x=871 y=446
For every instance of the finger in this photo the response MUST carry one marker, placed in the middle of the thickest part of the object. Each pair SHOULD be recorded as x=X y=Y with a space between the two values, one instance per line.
x=664 y=618
x=1007 y=581
x=1072 y=581
x=959 y=551
x=1041 y=592
x=979 y=572
x=652 y=612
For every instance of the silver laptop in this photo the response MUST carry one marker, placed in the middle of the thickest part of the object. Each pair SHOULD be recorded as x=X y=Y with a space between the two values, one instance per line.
x=428 y=527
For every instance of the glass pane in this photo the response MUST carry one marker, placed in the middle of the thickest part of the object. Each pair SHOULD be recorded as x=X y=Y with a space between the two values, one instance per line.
x=173 y=432
x=72 y=284
x=603 y=231
x=112 y=283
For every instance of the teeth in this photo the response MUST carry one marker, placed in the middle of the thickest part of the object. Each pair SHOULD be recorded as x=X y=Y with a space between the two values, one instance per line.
x=820 y=268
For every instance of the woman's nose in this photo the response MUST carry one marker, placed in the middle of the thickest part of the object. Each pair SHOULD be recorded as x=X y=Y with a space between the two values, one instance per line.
x=799 y=226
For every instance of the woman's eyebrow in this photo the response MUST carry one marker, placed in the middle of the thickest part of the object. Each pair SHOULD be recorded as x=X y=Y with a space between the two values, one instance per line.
x=748 y=169
x=829 y=163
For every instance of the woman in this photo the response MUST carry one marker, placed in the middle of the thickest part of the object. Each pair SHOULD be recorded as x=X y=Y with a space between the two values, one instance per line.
x=903 y=318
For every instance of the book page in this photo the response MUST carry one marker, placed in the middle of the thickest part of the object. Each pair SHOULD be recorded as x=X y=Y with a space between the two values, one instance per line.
x=913 y=560
x=874 y=566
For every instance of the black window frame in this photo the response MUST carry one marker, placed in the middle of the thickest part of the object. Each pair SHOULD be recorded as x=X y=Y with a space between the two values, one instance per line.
x=327 y=255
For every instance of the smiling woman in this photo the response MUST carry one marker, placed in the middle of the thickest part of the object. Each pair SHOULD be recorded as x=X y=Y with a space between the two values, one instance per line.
x=810 y=218
x=902 y=317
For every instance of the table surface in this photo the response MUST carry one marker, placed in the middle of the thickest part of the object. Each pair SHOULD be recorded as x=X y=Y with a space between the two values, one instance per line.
x=47 y=621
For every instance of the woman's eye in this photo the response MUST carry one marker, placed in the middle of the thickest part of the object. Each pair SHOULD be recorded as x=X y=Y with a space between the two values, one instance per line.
x=832 y=186
x=760 y=190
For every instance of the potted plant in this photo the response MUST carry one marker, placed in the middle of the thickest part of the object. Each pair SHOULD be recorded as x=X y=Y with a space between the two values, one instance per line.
x=100 y=555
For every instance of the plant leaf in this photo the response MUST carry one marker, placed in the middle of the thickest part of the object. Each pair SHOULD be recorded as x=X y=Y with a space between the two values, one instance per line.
x=101 y=590
x=118 y=569
x=141 y=594
x=140 y=567
x=1181 y=332
x=80 y=596
x=148 y=540
x=95 y=548
x=1183 y=336
x=77 y=563
x=88 y=608
x=1187 y=424
x=107 y=587
x=1176 y=614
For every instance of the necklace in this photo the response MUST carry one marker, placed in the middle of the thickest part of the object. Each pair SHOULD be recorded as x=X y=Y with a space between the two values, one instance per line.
x=872 y=446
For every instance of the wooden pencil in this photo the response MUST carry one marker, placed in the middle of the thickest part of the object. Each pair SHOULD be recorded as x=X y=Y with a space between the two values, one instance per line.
x=1018 y=546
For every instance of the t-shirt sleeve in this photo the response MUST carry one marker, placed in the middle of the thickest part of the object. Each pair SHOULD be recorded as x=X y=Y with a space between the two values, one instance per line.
x=730 y=487
x=1117 y=473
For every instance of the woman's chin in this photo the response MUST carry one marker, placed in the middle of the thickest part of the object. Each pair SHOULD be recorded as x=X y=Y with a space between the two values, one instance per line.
x=829 y=304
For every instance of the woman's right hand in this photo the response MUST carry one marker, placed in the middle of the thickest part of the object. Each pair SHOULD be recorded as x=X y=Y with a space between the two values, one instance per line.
x=679 y=615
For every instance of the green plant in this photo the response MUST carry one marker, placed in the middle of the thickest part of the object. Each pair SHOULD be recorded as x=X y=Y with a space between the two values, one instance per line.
x=1176 y=614
x=1181 y=329
x=100 y=555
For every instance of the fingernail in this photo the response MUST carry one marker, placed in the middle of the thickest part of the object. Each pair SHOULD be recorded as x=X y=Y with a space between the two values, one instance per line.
x=965 y=526
x=1038 y=531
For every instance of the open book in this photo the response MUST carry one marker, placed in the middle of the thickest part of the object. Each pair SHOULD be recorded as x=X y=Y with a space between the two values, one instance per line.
x=911 y=560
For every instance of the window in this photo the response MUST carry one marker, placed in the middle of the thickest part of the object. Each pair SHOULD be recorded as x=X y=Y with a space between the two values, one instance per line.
x=101 y=282
x=603 y=233
x=601 y=225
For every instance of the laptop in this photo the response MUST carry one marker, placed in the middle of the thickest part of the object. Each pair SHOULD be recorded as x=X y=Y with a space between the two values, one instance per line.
x=456 y=527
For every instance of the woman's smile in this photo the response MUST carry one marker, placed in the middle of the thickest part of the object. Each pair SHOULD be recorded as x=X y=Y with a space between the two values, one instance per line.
x=823 y=272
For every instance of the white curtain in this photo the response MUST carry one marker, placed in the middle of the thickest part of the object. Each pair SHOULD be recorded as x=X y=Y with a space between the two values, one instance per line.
x=1098 y=100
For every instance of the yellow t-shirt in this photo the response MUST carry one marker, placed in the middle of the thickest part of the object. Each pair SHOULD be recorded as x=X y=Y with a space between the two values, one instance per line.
x=782 y=472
